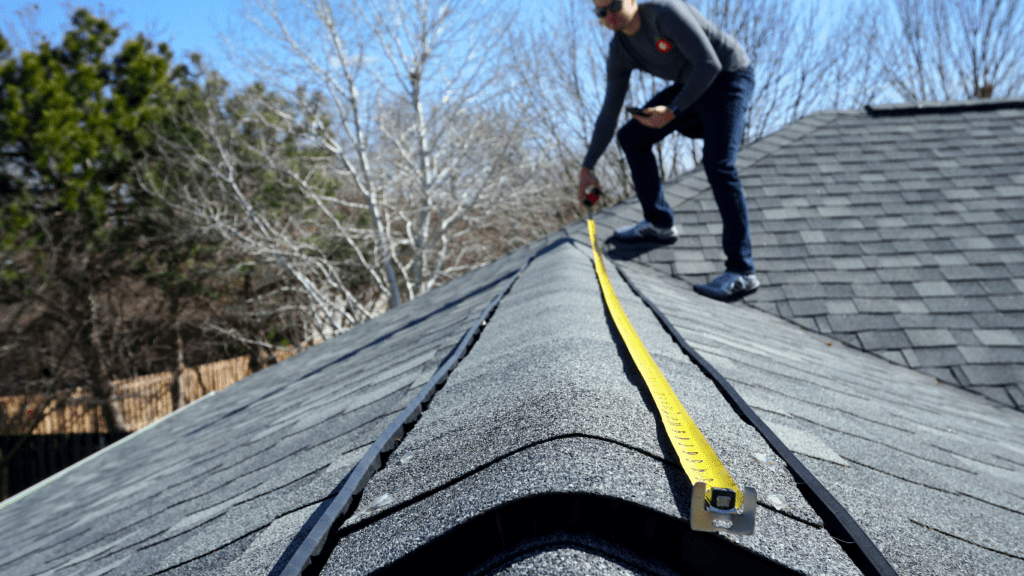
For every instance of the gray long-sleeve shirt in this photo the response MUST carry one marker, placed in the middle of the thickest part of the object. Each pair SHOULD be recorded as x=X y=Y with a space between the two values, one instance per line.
x=675 y=42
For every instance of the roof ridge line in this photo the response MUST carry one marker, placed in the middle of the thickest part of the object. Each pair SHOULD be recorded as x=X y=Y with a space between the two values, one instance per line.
x=943 y=107
x=338 y=505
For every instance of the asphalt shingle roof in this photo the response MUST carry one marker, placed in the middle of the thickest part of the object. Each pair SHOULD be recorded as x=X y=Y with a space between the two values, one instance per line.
x=933 y=474
x=228 y=484
x=541 y=454
x=898 y=230
x=548 y=403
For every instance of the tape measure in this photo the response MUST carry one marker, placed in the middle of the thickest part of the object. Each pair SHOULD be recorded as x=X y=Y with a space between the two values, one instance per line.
x=717 y=504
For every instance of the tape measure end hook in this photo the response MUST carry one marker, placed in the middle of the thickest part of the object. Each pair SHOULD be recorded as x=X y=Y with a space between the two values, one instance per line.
x=705 y=516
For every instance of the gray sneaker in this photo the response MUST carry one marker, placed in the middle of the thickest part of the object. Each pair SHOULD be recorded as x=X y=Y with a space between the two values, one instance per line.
x=644 y=231
x=729 y=286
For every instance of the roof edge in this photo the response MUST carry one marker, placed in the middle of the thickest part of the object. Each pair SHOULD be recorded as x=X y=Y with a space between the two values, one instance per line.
x=943 y=107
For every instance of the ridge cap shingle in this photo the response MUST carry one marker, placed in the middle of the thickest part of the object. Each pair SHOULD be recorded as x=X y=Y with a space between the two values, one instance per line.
x=947 y=107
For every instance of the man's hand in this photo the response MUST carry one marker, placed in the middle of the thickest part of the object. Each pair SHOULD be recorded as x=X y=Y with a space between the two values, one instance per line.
x=587 y=180
x=657 y=117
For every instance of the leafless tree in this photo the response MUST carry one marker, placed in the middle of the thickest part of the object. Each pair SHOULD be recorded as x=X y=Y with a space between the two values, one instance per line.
x=77 y=313
x=768 y=30
x=954 y=49
x=24 y=33
x=805 y=59
x=227 y=169
x=384 y=157
x=854 y=77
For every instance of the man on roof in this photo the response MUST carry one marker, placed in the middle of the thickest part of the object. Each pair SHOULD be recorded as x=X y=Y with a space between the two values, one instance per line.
x=713 y=81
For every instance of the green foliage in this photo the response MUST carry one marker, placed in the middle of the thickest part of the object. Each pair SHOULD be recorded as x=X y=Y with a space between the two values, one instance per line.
x=277 y=339
x=73 y=118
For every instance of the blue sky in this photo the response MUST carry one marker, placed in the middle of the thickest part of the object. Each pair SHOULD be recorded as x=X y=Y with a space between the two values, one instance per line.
x=195 y=25
x=186 y=25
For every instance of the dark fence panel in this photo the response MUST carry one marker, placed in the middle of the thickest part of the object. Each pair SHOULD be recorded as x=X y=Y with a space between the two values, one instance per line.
x=43 y=455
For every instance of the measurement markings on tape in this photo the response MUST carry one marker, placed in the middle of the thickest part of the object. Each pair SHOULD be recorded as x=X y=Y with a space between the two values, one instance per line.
x=717 y=505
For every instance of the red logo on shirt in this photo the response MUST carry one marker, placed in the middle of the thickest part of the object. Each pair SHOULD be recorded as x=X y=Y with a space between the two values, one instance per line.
x=663 y=45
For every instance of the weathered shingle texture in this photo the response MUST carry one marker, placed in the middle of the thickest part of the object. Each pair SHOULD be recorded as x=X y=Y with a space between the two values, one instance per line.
x=229 y=484
x=898 y=231
x=933 y=474
x=548 y=402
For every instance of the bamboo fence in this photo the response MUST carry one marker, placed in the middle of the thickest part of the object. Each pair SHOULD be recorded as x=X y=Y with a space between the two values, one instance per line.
x=142 y=400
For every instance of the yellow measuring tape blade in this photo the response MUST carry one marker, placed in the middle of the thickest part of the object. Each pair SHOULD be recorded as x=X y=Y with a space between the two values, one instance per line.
x=699 y=460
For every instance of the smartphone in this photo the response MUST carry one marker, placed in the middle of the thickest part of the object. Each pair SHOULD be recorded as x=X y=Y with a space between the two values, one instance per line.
x=636 y=111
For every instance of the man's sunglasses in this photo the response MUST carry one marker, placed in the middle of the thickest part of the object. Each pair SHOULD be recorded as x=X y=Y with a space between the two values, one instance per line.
x=613 y=7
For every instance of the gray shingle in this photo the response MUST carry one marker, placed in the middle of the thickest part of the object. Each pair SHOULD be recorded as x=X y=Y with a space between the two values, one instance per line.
x=938 y=357
x=965 y=338
x=884 y=340
x=879 y=248
x=874 y=290
x=997 y=338
x=862 y=322
x=840 y=307
x=876 y=306
x=934 y=288
x=911 y=307
x=967 y=244
x=803 y=291
x=916 y=275
x=853 y=277
x=998 y=394
x=963 y=272
x=994 y=375
x=969 y=288
x=931 y=338
x=986 y=355
x=1016 y=394
x=961 y=305
x=1013 y=303
x=832 y=250
x=808 y=308
x=929 y=212
x=904 y=290
x=918 y=320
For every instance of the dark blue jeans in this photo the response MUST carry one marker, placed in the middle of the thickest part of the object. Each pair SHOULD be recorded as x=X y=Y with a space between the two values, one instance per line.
x=718 y=117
